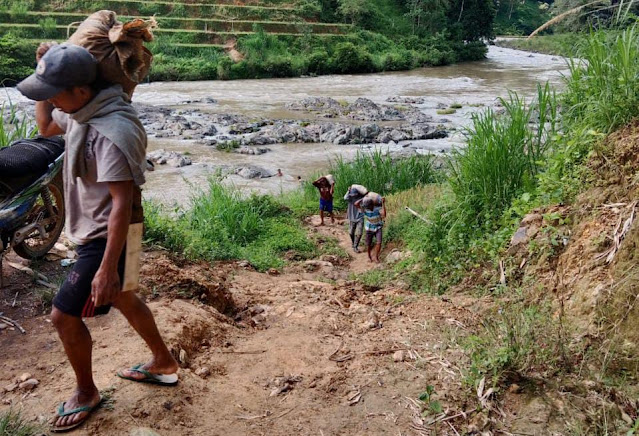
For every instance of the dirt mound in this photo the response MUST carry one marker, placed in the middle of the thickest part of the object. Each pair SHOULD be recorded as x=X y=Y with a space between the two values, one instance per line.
x=189 y=329
x=161 y=275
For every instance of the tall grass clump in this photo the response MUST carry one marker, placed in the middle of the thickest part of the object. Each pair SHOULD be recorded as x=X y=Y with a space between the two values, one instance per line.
x=13 y=126
x=503 y=156
x=221 y=224
x=13 y=424
x=602 y=89
x=601 y=95
x=379 y=172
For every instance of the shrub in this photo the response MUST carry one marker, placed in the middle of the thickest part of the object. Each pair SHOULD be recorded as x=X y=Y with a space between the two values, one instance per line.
x=16 y=58
x=222 y=224
x=349 y=58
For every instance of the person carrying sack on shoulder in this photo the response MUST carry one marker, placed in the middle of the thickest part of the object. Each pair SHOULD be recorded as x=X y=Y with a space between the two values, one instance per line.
x=354 y=214
x=104 y=166
x=374 y=207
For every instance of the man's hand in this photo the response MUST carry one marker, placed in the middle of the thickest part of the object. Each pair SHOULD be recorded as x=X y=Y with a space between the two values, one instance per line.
x=43 y=48
x=105 y=287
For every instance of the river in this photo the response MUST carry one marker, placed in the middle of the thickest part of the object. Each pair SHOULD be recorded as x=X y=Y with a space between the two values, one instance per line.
x=474 y=85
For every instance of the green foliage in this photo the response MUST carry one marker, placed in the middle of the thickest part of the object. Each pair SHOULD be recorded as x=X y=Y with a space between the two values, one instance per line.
x=517 y=340
x=602 y=94
x=603 y=89
x=13 y=127
x=13 y=424
x=432 y=406
x=221 y=224
x=502 y=156
x=17 y=58
x=354 y=10
x=563 y=44
x=515 y=17
x=379 y=172
x=48 y=26
x=349 y=58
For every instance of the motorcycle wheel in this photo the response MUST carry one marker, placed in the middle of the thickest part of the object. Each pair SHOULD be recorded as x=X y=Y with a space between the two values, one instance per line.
x=35 y=247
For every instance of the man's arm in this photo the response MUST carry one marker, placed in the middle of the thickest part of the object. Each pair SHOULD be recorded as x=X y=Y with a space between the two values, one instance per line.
x=383 y=208
x=106 y=284
x=358 y=204
x=46 y=126
x=348 y=193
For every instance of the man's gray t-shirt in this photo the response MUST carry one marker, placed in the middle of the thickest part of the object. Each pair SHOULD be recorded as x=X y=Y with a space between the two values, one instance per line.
x=87 y=200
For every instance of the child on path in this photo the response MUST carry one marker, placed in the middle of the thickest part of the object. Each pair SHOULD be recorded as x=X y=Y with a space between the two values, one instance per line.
x=326 y=186
x=104 y=166
x=374 y=208
x=355 y=215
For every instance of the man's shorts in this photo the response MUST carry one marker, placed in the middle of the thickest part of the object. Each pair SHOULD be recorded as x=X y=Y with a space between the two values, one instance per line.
x=326 y=205
x=370 y=235
x=74 y=296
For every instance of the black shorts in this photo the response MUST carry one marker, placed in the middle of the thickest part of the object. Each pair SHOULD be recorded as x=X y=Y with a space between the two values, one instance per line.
x=74 y=296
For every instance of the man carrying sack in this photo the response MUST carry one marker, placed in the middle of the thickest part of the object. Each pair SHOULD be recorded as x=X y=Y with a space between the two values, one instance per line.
x=104 y=166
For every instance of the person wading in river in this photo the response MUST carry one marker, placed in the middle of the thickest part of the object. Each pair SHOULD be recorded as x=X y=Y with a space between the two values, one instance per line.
x=103 y=168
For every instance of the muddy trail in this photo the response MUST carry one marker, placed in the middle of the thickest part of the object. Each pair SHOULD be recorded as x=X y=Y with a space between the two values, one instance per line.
x=303 y=351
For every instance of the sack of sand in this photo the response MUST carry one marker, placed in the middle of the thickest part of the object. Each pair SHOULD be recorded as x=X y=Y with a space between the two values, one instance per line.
x=325 y=181
x=372 y=199
x=119 y=48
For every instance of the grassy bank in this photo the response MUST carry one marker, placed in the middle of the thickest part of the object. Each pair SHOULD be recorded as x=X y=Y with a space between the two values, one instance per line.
x=222 y=224
x=563 y=44
x=534 y=158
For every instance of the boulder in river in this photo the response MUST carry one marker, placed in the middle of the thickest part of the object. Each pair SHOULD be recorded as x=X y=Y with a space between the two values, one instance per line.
x=253 y=172
x=170 y=158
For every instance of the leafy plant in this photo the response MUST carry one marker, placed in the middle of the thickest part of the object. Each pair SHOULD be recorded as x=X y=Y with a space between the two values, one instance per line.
x=432 y=406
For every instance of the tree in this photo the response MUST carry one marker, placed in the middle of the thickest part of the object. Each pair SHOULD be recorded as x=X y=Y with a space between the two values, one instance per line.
x=427 y=15
x=471 y=20
x=354 y=10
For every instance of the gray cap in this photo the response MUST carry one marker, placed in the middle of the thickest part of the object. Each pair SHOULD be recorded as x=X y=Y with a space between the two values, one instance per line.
x=63 y=66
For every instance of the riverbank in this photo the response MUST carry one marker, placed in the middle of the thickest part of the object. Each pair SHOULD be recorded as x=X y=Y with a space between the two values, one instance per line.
x=509 y=304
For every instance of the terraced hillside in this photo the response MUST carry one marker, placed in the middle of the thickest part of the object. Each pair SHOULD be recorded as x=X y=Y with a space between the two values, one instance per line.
x=271 y=38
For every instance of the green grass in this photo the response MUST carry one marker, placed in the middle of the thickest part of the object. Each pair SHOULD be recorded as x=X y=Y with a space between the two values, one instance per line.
x=378 y=172
x=13 y=424
x=502 y=156
x=221 y=224
x=13 y=127
x=561 y=44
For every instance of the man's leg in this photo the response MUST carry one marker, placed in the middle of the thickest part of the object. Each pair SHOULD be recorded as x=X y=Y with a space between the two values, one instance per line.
x=77 y=343
x=359 y=227
x=141 y=319
x=321 y=217
x=378 y=247
x=369 y=244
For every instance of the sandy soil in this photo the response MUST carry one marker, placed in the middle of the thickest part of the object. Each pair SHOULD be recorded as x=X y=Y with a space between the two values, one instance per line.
x=305 y=352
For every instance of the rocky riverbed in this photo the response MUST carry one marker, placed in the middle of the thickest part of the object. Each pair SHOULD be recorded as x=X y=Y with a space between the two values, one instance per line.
x=361 y=122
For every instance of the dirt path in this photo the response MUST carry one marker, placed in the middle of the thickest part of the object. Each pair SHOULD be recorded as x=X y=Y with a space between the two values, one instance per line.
x=307 y=352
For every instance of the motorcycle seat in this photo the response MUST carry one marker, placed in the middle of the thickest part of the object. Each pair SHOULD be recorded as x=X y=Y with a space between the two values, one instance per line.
x=25 y=160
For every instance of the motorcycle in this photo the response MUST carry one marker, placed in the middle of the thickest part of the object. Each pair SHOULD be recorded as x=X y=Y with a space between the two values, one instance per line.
x=31 y=197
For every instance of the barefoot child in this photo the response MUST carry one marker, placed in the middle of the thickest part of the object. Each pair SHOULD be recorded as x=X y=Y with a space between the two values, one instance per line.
x=374 y=208
x=326 y=186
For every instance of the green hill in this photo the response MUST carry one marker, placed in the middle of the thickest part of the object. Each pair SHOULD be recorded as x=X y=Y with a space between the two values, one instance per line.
x=274 y=38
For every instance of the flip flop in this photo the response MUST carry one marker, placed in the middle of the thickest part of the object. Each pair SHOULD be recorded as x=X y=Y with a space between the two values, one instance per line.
x=60 y=412
x=156 y=379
